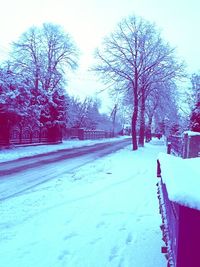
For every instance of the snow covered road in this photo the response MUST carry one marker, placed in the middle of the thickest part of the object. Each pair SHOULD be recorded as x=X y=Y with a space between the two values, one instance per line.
x=21 y=164
x=19 y=175
x=103 y=214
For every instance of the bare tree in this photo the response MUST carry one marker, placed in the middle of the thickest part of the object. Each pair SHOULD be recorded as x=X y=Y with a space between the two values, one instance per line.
x=131 y=58
x=84 y=114
x=160 y=84
x=161 y=103
x=43 y=55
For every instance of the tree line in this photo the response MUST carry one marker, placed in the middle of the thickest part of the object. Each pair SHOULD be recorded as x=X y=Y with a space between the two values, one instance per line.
x=140 y=69
x=33 y=81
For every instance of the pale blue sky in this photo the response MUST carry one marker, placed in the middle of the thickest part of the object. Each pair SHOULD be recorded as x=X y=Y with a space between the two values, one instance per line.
x=88 y=21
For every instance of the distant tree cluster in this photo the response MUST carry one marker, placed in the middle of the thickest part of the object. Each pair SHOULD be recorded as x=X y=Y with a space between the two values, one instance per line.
x=85 y=114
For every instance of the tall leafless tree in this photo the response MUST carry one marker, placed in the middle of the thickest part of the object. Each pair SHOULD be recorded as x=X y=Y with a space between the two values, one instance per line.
x=84 y=113
x=132 y=57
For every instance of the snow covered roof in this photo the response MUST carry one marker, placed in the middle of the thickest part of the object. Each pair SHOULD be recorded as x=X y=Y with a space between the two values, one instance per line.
x=182 y=179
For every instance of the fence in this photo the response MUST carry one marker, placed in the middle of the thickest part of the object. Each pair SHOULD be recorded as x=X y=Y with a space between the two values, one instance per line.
x=180 y=224
x=180 y=230
x=191 y=145
x=27 y=133
x=83 y=134
x=20 y=134
x=170 y=218
x=186 y=146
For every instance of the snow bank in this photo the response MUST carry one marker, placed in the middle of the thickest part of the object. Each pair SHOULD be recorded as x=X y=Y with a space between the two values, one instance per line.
x=182 y=179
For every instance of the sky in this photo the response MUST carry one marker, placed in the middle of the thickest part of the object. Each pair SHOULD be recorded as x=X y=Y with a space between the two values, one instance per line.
x=89 y=21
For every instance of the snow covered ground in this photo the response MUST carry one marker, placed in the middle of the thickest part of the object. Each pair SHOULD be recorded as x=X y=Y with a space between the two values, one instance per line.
x=104 y=214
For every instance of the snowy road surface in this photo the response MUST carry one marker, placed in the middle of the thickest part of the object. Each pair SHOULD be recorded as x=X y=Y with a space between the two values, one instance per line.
x=13 y=183
x=98 y=150
x=102 y=214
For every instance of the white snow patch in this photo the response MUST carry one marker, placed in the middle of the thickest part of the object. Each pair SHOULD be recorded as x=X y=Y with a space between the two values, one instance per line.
x=182 y=178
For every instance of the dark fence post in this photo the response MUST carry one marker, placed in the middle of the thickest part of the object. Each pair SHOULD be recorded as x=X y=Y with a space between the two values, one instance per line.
x=158 y=169
x=185 y=146
x=169 y=146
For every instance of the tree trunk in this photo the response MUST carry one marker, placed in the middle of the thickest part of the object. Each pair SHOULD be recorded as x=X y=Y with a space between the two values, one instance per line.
x=134 y=129
x=142 y=121
x=114 y=112
x=148 y=130
x=135 y=111
x=37 y=80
